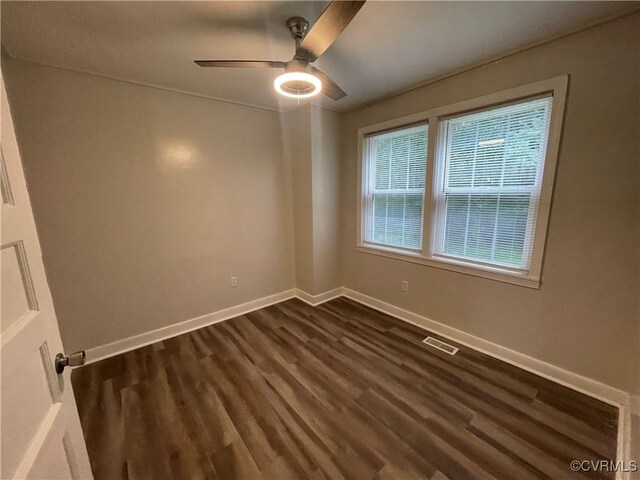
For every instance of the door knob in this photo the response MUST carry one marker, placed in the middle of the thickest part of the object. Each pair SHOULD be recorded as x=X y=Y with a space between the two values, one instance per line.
x=74 y=360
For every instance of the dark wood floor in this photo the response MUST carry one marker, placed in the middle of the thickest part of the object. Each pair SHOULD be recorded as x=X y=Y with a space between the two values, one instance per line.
x=335 y=391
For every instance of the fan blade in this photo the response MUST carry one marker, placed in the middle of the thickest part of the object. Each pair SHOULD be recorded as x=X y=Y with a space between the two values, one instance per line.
x=329 y=26
x=329 y=87
x=241 y=63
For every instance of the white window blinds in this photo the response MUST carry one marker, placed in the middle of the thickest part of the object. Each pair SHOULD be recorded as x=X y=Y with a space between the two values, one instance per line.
x=489 y=167
x=395 y=169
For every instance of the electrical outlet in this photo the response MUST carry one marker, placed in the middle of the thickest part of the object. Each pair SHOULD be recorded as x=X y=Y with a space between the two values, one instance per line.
x=234 y=281
x=404 y=286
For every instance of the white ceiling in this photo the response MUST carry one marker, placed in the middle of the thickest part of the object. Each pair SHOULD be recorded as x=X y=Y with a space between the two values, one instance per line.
x=389 y=46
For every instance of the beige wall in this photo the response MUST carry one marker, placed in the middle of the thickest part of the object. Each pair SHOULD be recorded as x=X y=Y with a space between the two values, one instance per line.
x=298 y=156
x=312 y=151
x=326 y=136
x=585 y=316
x=147 y=201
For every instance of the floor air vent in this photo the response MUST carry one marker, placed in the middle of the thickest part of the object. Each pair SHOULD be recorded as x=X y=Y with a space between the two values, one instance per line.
x=445 y=347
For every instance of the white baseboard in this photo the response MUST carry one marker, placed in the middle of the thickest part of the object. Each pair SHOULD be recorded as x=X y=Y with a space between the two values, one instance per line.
x=315 y=300
x=556 y=374
x=131 y=343
x=588 y=386
x=627 y=404
x=623 y=453
x=147 y=338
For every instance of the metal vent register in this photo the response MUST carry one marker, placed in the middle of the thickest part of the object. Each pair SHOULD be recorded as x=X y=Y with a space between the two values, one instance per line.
x=445 y=347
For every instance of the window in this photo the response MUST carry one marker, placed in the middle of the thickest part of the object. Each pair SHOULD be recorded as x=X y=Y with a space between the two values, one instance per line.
x=395 y=187
x=488 y=190
x=465 y=187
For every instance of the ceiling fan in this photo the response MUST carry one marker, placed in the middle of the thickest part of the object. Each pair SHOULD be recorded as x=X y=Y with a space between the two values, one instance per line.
x=300 y=79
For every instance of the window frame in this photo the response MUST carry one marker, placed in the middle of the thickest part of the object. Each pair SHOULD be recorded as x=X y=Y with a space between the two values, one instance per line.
x=557 y=88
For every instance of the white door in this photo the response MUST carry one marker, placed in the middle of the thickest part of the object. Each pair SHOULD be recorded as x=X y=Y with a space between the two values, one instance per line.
x=40 y=432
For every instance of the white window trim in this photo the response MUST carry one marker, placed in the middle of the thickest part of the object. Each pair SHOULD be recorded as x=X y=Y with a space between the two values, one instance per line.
x=557 y=87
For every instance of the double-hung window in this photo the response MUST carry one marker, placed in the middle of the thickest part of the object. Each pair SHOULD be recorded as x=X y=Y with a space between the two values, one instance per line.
x=395 y=187
x=488 y=186
x=465 y=187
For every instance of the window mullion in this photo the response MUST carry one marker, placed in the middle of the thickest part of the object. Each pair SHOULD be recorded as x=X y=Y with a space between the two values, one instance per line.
x=371 y=172
x=428 y=202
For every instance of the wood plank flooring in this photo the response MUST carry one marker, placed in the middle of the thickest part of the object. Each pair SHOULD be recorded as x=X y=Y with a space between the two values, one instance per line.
x=335 y=391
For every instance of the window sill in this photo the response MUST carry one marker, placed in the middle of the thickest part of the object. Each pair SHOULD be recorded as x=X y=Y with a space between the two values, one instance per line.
x=492 y=273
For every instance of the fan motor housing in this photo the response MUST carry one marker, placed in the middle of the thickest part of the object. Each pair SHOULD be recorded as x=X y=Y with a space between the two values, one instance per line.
x=297 y=65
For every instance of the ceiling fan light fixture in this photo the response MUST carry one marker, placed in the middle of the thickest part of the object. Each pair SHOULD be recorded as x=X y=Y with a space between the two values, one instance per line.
x=297 y=85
